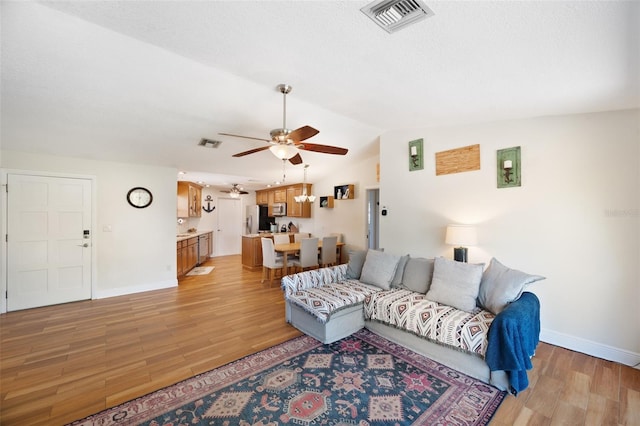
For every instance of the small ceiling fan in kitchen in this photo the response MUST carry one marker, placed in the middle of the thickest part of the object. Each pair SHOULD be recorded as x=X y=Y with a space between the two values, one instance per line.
x=235 y=191
x=286 y=143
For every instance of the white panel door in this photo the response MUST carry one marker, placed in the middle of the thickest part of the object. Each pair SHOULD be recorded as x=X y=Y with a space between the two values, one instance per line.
x=48 y=256
x=229 y=235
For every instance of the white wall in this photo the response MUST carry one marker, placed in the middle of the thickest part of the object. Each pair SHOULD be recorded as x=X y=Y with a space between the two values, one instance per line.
x=139 y=253
x=348 y=216
x=575 y=219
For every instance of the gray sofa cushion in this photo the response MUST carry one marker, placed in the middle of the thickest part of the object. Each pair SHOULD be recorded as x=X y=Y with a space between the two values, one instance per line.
x=455 y=283
x=398 y=277
x=356 y=260
x=379 y=269
x=501 y=285
x=418 y=274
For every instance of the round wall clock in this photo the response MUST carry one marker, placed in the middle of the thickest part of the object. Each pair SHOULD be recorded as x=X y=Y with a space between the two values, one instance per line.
x=139 y=197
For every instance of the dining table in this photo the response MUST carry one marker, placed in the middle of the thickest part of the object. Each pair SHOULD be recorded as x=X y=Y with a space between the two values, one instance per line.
x=291 y=248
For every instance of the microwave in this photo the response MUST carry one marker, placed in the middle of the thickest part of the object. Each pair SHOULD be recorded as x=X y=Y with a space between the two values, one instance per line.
x=279 y=209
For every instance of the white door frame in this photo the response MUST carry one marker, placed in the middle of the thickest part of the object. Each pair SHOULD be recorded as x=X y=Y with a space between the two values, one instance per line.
x=3 y=226
x=375 y=206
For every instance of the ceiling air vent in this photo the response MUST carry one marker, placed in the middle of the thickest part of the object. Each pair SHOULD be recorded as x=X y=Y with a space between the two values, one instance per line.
x=392 y=15
x=209 y=143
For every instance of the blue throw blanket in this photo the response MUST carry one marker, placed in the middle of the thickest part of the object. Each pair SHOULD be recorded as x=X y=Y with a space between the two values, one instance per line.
x=513 y=337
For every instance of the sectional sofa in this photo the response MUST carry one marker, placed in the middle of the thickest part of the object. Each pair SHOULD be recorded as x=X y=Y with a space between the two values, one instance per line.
x=479 y=322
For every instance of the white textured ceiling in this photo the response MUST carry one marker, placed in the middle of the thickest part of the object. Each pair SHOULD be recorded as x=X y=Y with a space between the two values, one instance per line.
x=143 y=81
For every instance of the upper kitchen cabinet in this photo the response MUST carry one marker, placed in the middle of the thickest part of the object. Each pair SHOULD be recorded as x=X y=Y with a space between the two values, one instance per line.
x=262 y=197
x=189 y=199
x=295 y=209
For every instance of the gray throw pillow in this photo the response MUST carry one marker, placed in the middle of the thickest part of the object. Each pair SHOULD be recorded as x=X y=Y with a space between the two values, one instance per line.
x=379 y=269
x=356 y=260
x=398 y=277
x=455 y=283
x=501 y=285
x=418 y=274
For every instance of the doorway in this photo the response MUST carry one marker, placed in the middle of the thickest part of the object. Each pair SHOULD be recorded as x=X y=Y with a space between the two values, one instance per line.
x=373 y=210
x=229 y=230
x=49 y=240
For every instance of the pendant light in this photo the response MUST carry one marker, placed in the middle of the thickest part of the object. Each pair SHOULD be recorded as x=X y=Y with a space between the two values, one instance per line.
x=304 y=197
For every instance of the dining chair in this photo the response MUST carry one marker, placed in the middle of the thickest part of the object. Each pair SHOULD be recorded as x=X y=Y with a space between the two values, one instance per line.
x=269 y=261
x=308 y=254
x=328 y=253
x=299 y=236
x=338 y=251
x=281 y=239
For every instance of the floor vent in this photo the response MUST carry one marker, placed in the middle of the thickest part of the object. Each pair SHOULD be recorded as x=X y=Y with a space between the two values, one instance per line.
x=393 y=15
x=209 y=143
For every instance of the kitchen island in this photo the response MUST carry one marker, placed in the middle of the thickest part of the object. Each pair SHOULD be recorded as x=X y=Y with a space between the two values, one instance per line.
x=252 y=249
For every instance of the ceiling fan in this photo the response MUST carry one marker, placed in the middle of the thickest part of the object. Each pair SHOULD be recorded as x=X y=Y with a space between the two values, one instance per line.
x=286 y=143
x=235 y=192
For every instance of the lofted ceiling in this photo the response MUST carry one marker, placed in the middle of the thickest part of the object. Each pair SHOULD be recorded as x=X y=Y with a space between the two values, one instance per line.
x=144 y=81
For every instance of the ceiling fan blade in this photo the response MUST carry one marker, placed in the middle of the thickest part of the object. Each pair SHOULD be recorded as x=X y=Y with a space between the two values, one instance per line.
x=325 y=149
x=303 y=133
x=245 y=137
x=251 y=151
x=296 y=159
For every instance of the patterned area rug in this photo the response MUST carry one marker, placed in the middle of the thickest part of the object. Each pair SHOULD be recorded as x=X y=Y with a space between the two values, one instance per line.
x=361 y=380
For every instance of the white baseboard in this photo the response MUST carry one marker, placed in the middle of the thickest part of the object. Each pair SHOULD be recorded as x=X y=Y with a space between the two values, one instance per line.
x=123 y=291
x=589 y=347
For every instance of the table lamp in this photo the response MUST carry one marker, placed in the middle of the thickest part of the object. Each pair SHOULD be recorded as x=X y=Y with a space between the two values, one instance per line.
x=460 y=236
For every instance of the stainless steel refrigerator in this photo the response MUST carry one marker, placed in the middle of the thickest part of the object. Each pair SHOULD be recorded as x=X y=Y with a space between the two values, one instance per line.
x=257 y=219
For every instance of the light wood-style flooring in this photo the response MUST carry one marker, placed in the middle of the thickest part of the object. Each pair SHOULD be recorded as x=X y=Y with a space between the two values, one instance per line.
x=65 y=362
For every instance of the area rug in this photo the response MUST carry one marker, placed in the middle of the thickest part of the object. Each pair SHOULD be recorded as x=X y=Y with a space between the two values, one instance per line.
x=200 y=270
x=360 y=380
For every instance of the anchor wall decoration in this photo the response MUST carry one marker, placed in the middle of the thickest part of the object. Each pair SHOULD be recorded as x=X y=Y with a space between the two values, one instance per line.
x=208 y=209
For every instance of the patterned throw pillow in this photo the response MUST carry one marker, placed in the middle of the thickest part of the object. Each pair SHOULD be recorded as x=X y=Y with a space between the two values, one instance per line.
x=501 y=285
x=455 y=283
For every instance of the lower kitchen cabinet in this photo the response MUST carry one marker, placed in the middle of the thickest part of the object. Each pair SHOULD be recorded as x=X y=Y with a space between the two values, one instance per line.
x=187 y=255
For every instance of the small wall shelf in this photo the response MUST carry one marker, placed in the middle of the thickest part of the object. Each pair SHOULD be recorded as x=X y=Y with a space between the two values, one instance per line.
x=326 y=201
x=343 y=192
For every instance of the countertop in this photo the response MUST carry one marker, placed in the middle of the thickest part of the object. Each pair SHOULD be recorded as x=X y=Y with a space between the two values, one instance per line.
x=187 y=235
x=266 y=234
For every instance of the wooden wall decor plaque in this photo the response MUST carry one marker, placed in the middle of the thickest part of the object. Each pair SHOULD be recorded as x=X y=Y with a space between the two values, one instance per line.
x=458 y=160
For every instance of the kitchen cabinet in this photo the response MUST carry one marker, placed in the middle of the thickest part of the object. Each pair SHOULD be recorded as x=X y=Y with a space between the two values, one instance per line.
x=181 y=253
x=262 y=197
x=286 y=194
x=295 y=209
x=192 y=253
x=280 y=195
x=189 y=199
x=270 y=201
x=187 y=255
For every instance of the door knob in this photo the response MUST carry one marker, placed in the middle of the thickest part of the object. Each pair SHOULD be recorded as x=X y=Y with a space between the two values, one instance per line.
x=83 y=245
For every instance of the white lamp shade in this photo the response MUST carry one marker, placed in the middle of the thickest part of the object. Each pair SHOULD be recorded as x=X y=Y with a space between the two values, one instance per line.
x=284 y=151
x=461 y=235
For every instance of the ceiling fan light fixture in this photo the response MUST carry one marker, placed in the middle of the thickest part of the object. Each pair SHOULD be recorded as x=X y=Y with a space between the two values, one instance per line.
x=284 y=151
